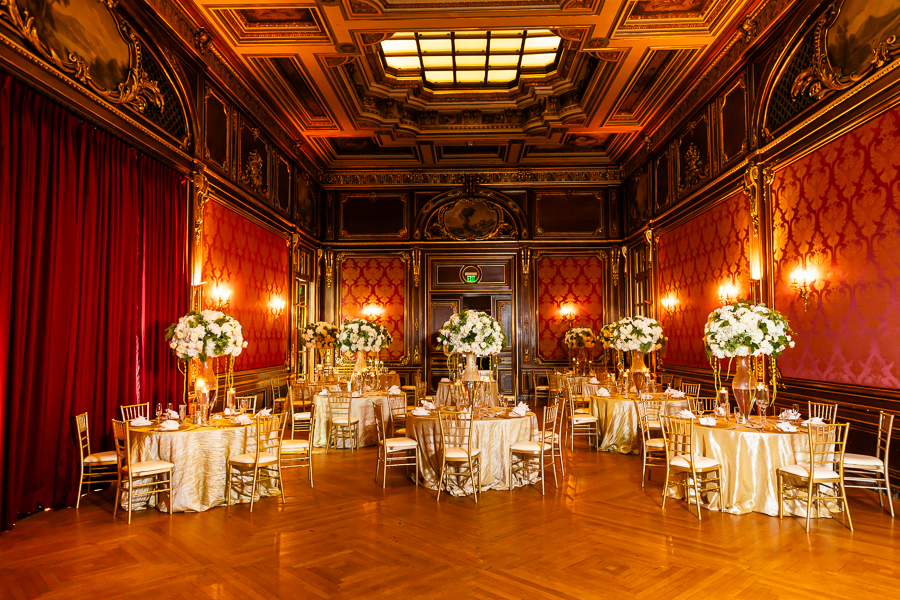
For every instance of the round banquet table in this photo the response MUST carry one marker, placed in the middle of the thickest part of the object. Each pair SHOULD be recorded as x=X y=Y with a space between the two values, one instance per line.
x=494 y=436
x=200 y=455
x=362 y=408
x=618 y=420
x=749 y=459
x=442 y=395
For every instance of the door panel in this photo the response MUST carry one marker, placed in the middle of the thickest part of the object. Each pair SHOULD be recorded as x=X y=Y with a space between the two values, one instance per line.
x=440 y=309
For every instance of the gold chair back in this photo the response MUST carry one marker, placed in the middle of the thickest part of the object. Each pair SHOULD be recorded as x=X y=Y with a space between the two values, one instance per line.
x=691 y=389
x=133 y=411
x=380 y=424
x=827 y=411
x=84 y=435
x=827 y=444
x=397 y=405
x=647 y=411
x=339 y=406
x=269 y=431
x=245 y=403
x=703 y=405
x=456 y=431
x=679 y=436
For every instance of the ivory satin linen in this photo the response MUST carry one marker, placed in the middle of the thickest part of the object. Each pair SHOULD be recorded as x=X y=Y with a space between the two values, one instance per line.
x=492 y=436
x=361 y=409
x=618 y=421
x=200 y=456
x=442 y=395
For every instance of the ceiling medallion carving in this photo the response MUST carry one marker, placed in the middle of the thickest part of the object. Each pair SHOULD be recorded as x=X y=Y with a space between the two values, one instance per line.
x=469 y=219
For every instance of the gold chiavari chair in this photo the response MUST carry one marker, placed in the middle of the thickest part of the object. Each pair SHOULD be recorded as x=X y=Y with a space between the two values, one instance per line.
x=298 y=452
x=410 y=390
x=653 y=449
x=691 y=389
x=393 y=451
x=540 y=386
x=421 y=392
x=301 y=406
x=581 y=423
x=556 y=383
x=263 y=464
x=458 y=451
x=873 y=472
x=94 y=467
x=665 y=380
x=827 y=411
x=703 y=406
x=575 y=394
x=387 y=380
x=130 y=412
x=397 y=404
x=682 y=460
x=827 y=444
x=341 y=425
x=129 y=471
x=676 y=382
x=245 y=404
x=539 y=450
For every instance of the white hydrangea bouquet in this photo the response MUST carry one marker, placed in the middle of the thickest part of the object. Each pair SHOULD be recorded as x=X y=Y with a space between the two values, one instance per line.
x=359 y=335
x=580 y=337
x=744 y=329
x=471 y=331
x=320 y=335
x=205 y=334
x=639 y=333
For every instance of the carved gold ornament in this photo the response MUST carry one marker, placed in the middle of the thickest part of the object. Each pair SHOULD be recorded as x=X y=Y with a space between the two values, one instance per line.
x=136 y=91
x=253 y=174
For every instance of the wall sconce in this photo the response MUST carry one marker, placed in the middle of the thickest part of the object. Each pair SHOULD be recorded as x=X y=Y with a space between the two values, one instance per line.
x=276 y=306
x=728 y=293
x=219 y=297
x=801 y=282
x=569 y=313
x=373 y=312
x=669 y=303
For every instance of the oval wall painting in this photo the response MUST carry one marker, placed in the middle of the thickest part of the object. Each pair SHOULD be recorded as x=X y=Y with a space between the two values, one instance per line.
x=471 y=219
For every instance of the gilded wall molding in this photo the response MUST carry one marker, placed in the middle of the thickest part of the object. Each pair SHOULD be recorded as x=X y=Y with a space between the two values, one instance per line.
x=201 y=193
x=346 y=178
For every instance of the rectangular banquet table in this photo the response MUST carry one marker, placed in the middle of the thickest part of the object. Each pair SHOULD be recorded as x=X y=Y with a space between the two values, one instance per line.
x=493 y=436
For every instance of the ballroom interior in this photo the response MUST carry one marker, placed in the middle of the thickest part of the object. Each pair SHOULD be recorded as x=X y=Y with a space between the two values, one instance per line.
x=683 y=215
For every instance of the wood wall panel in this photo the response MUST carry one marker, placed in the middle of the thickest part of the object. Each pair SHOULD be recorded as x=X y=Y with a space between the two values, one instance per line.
x=570 y=214
x=373 y=215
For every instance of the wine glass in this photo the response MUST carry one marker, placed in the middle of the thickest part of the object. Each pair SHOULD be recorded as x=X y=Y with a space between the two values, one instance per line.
x=169 y=410
x=762 y=401
x=158 y=411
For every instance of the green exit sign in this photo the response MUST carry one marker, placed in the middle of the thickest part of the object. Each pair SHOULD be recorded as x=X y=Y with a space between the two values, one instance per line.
x=471 y=278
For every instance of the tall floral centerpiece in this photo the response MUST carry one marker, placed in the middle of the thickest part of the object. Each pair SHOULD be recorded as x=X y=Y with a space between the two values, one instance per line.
x=362 y=337
x=608 y=334
x=739 y=331
x=471 y=333
x=201 y=336
x=639 y=335
x=321 y=337
x=580 y=342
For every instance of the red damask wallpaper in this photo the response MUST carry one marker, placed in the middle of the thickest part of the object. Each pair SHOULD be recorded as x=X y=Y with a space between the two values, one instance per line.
x=838 y=208
x=253 y=263
x=561 y=280
x=379 y=281
x=695 y=259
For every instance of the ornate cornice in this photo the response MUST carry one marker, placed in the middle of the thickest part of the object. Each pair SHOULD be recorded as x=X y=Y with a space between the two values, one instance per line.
x=335 y=178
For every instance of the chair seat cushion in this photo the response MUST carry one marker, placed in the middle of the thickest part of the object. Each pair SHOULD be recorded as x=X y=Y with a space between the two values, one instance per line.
x=653 y=425
x=302 y=416
x=400 y=432
x=542 y=388
x=248 y=459
x=527 y=446
x=396 y=443
x=578 y=419
x=700 y=462
x=101 y=458
x=803 y=471
x=344 y=421
x=454 y=453
x=858 y=461
x=290 y=446
x=582 y=411
x=655 y=443
x=408 y=388
x=147 y=466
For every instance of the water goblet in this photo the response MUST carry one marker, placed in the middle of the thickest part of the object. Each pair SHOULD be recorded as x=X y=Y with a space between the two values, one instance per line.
x=158 y=411
x=762 y=401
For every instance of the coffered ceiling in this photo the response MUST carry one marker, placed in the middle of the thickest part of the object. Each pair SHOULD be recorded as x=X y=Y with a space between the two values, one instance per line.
x=493 y=83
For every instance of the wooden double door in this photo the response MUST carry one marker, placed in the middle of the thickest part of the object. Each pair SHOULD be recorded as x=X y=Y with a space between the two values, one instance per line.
x=441 y=306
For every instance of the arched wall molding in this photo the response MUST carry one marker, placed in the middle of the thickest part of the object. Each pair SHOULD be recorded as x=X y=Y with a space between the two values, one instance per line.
x=431 y=222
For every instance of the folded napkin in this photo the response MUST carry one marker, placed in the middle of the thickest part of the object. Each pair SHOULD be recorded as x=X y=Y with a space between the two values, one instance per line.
x=229 y=412
x=445 y=380
x=244 y=419
x=421 y=412
x=264 y=412
x=465 y=414
x=355 y=394
x=708 y=421
x=685 y=414
x=141 y=422
x=169 y=425
x=171 y=414
x=720 y=411
x=790 y=415
x=395 y=391
x=603 y=392
x=674 y=393
x=323 y=392
x=814 y=421
x=520 y=410
x=594 y=381
x=334 y=388
x=427 y=405
x=633 y=389
x=786 y=427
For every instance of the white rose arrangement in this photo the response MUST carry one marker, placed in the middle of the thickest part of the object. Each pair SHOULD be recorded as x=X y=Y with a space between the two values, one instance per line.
x=359 y=335
x=580 y=337
x=471 y=331
x=744 y=329
x=320 y=335
x=205 y=334
x=639 y=333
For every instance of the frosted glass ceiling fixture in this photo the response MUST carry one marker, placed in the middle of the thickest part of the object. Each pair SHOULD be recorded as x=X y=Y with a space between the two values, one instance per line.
x=471 y=58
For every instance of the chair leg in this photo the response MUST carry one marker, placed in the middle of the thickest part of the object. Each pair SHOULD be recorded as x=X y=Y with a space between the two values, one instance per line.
x=780 y=496
x=696 y=494
x=80 y=486
x=809 y=501
x=384 y=471
x=310 y=464
x=665 y=491
x=509 y=471
x=228 y=485
x=441 y=480
x=846 y=506
x=253 y=488
x=541 y=460
x=130 y=496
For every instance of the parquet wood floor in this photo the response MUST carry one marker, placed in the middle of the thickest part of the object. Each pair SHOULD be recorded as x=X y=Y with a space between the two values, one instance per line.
x=598 y=536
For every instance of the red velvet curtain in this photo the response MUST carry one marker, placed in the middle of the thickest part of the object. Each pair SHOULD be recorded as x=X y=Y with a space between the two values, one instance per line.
x=92 y=268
